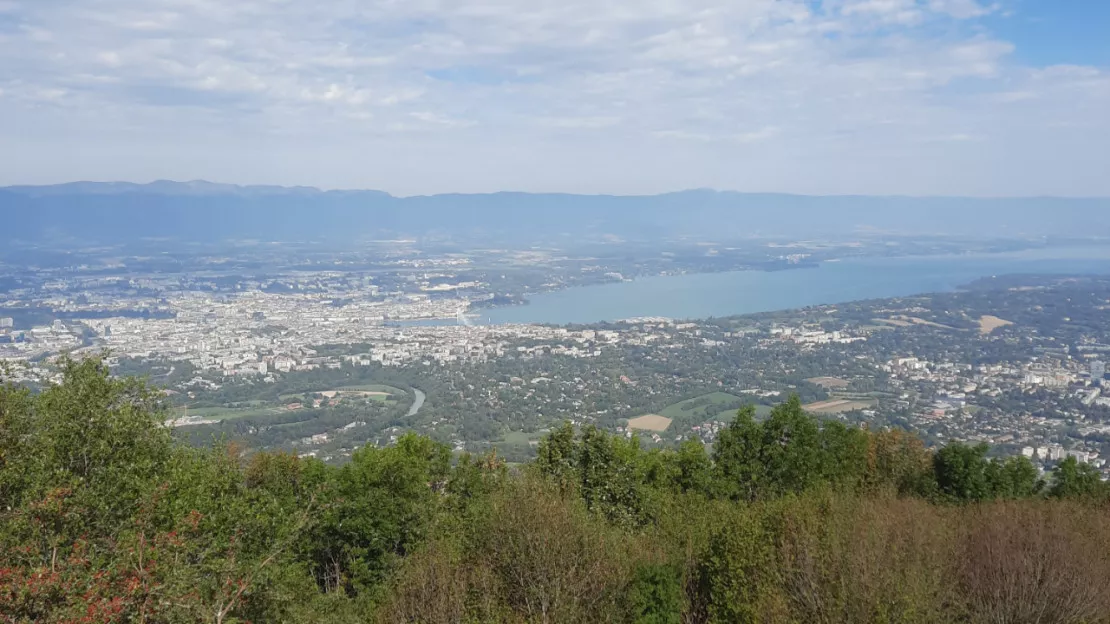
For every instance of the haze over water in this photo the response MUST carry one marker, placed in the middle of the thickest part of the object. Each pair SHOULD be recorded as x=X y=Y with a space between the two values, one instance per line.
x=744 y=292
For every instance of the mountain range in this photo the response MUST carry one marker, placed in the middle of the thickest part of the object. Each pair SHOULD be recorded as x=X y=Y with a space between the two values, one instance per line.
x=199 y=211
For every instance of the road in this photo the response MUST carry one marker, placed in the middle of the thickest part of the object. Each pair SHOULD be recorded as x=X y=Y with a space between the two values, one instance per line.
x=418 y=403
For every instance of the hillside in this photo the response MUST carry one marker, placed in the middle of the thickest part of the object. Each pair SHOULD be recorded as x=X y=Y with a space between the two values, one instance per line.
x=104 y=519
x=208 y=212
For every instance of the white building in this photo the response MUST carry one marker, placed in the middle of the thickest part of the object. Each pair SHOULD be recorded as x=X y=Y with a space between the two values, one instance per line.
x=1098 y=371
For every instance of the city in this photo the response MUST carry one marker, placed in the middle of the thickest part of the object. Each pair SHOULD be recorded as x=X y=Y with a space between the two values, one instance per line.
x=575 y=312
x=944 y=366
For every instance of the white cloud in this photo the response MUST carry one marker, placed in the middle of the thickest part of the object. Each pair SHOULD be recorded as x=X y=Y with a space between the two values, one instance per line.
x=436 y=95
x=756 y=136
x=894 y=11
x=957 y=137
x=683 y=135
x=962 y=9
x=440 y=120
x=586 y=123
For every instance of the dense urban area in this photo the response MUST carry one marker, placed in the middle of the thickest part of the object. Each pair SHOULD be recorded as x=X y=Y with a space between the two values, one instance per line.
x=323 y=360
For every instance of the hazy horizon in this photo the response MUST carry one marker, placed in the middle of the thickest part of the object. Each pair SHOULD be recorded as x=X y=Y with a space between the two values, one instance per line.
x=511 y=191
x=831 y=97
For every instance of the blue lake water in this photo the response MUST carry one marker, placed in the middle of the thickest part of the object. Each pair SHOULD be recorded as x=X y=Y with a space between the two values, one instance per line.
x=744 y=292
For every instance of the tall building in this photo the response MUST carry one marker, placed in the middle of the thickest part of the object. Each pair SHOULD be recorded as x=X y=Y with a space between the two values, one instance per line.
x=1098 y=370
x=6 y=323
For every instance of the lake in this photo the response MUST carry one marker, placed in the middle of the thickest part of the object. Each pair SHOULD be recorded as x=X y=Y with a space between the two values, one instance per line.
x=744 y=292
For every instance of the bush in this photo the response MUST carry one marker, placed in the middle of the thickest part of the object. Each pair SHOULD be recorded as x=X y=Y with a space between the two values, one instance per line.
x=1035 y=562
x=655 y=595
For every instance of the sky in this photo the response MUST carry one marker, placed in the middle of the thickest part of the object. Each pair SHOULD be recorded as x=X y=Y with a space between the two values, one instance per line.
x=914 y=97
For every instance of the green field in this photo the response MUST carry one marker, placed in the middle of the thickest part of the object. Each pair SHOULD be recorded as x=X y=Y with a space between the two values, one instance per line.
x=395 y=394
x=227 y=413
x=761 y=411
x=381 y=398
x=706 y=408
x=258 y=409
x=376 y=388
x=520 y=438
x=716 y=399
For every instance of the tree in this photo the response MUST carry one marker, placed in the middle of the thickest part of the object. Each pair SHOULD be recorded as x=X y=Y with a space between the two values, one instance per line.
x=557 y=456
x=106 y=519
x=376 y=509
x=961 y=472
x=898 y=460
x=1072 y=479
x=15 y=456
x=605 y=470
x=610 y=481
x=99 y=437
x=693 y=469
x=736 y=457
x=1013 y=478
x=655 y=595
x=783 y=454
x=843 y=455
x=738 y=575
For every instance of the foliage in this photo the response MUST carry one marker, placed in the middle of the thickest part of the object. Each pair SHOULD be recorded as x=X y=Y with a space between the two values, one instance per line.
x=787 y=453
x=103 y=518
x=964 y=474
x=655 y=595
x=1074 y=480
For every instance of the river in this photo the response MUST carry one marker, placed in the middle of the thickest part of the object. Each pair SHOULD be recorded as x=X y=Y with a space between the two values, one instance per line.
x=706 y=295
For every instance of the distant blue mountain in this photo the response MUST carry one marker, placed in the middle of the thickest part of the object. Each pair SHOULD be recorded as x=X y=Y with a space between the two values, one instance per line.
x=208 y=212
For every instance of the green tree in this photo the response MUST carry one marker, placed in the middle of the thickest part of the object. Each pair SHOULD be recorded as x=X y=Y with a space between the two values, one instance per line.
x=1013 y=478
x=783 y=454
x=736 y=456
x=557 y=456
x=738 y=576
x=961 y=472
x=99 y=437
x=1072 y=479
x=843 y=453
x=610 y=480
x=655 y=595
x=898 y=461
x=377 y=508
x=110 y=521
x=693 y=469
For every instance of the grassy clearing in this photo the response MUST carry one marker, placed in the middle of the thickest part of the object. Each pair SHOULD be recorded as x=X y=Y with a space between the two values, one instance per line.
x=375 y=392
x=374 y=388
x=909 y=321
x=519 y=438
x=830 y=383
x=875 y=328
x=714 y=399
x=368 y=390
x=837 y=406
x=383 y=397
x=761 y=411
x=650 y=422
x=227 y=413
x=893 y=322
x=988 y=323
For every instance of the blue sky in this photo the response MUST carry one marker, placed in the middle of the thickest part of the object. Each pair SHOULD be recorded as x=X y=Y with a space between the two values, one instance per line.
x=922 y=97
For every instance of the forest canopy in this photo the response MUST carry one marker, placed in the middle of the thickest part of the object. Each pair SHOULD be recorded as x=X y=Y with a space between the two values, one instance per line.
x=105 y=518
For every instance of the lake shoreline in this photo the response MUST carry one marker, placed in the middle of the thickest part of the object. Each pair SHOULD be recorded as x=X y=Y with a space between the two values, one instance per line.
x=733 y=293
